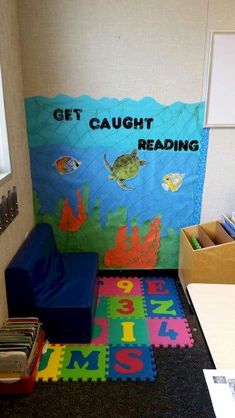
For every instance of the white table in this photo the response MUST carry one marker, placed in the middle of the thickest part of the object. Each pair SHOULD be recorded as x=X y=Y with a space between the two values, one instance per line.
x=214 y=305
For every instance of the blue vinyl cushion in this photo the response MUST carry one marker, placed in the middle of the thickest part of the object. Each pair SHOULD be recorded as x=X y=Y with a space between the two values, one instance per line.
x=59 y=288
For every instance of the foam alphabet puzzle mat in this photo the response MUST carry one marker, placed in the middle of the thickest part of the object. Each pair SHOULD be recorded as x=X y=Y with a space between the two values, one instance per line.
x=133 y=316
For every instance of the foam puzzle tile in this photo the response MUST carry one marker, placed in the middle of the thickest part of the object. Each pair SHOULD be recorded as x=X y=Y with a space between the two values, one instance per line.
x=163 y=288
x=122 y=333
x=100 y=331
x=128 y=332
x=170 y=332
x=85 y=362
x=126 y=307
x=132 y=363
x=116 y=286
x=163 y=306
x=159 y=286
x=50 y=362
x=101 y=307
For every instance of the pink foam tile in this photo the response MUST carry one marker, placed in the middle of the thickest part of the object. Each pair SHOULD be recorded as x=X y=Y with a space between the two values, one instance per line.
x=120 y=286
x=170 y=332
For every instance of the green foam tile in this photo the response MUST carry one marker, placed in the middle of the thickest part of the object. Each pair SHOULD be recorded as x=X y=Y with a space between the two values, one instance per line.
x=128 y=332
x=126 y=307
x=84 y=362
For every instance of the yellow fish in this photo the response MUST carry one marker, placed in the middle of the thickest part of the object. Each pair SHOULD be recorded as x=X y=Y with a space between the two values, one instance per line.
x=172 y=181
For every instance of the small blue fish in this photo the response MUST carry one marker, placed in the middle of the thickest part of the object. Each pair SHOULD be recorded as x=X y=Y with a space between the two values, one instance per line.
x=66 y=164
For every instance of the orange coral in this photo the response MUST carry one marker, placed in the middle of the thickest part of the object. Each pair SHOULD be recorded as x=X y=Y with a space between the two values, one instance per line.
x=136 y=253
x=70 y=222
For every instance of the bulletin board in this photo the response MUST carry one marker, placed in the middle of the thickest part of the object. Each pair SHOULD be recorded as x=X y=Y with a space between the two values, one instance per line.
x=118 y=177
x=220 y=102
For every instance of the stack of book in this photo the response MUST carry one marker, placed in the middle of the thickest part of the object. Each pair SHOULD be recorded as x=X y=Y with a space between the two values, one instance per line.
x=229 y=224
x=21 y=343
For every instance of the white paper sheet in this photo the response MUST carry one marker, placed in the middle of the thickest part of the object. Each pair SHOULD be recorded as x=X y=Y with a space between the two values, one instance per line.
x=221 y=385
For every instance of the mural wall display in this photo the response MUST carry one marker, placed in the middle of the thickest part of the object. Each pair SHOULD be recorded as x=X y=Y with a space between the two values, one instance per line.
x=119 y=177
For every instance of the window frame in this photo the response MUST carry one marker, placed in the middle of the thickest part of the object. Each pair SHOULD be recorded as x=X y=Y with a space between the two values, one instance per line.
x=5 y=160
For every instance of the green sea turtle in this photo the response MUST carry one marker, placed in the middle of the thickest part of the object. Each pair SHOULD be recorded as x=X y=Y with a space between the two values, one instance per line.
x=124 y=167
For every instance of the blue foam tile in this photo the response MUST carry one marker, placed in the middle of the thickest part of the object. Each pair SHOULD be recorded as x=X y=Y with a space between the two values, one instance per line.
x=162 y=286
x=163 y=306
x=132 y=363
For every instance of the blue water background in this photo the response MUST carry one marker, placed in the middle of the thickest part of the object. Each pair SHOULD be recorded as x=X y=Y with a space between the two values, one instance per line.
x=50 y=139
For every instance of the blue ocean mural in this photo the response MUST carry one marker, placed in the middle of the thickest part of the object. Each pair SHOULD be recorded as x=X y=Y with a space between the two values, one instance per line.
x=120 y=177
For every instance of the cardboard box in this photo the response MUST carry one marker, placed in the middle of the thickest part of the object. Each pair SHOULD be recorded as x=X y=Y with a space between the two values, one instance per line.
x=214 y=262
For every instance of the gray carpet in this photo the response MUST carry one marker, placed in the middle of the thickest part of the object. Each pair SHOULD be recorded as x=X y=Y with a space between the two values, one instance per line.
x=180 y=390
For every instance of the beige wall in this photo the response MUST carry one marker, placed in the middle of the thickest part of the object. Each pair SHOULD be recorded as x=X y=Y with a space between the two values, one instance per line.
x=114 y=48
x=125 y=48
x=10 y=61
x=131 y=48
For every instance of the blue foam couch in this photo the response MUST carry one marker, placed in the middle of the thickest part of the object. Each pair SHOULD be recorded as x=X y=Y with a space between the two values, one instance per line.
x=59 y=288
